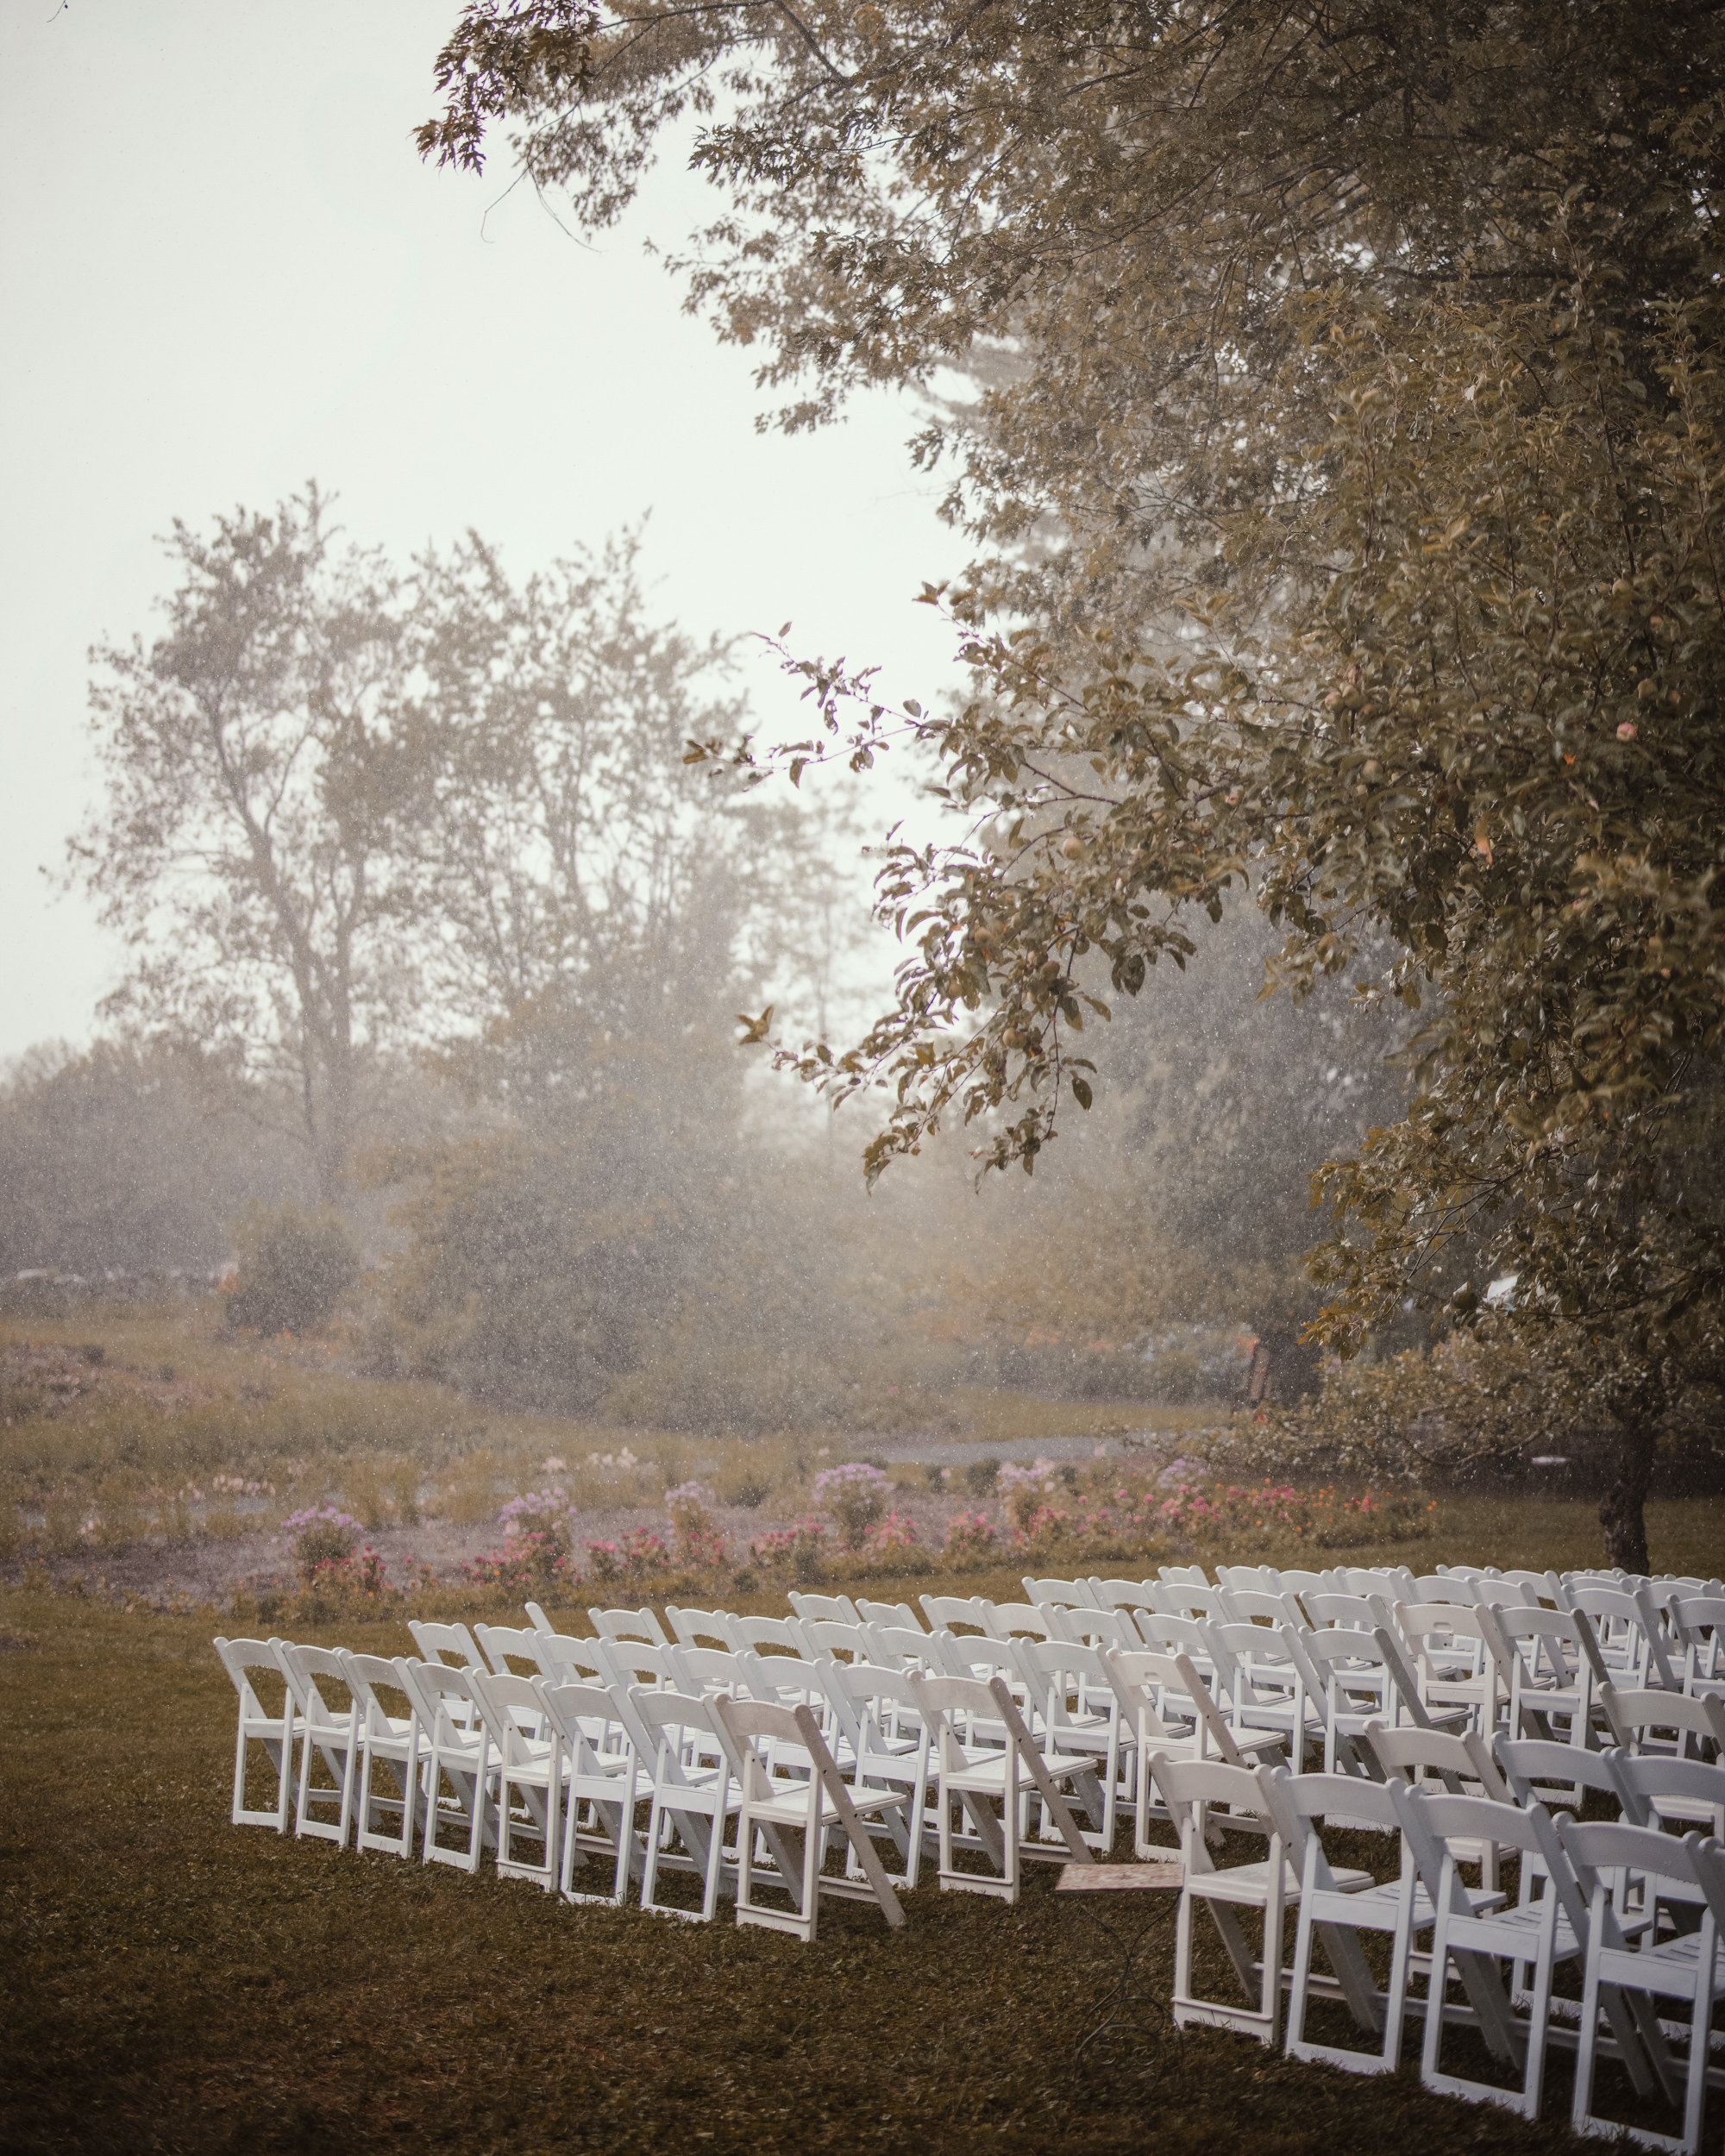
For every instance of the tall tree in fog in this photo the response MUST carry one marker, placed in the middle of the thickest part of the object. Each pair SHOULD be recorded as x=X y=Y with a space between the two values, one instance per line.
x=1366 y=362
x=255 y=845
x=351 y=810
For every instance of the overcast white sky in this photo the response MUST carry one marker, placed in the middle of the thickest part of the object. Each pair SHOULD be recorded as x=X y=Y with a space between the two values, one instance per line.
x=225 y=272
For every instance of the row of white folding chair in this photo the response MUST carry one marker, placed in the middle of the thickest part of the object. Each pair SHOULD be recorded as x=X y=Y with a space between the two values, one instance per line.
x=1473 y=1929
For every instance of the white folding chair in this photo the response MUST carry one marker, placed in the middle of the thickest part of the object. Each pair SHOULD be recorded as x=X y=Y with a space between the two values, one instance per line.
x=1021 y=1620
x=1337 y=1909
x=694 y=1795
x=900 y=1615
x=1686 y=1963
x=1445 y=1833
x=1457 y=1661
x=529 y=1773
x=602 y=1783
x=329 y=1735
x=457 y=1760
x=1205 y=1794
x=1630 y=1639
x=1075 y=1715
x=394 y=1741
x=1552 y=1673
x=245 y=1661
x=976 y=1776
x=886 y=1746
x=770 y=1807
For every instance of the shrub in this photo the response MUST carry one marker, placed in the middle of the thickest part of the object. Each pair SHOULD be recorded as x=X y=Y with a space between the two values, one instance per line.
x=980 y=1477
x=1025 y=1490
x=969 y=1537
x=294 y=1269
x=322 y=1535
x=797 y=1552
x=855 y=1495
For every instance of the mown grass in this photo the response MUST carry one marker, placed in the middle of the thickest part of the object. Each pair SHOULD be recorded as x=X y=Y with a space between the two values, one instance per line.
x=172 y=1982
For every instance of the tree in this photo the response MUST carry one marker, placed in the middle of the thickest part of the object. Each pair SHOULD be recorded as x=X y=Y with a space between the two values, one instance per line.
x=253 y=846
x=130 y=1160
x=1354 y=441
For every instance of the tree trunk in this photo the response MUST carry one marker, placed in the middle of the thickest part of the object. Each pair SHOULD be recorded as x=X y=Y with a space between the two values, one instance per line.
x=1621 y=1511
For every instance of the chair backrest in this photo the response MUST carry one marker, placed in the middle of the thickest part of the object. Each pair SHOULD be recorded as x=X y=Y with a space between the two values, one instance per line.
x=1433 y=1821
x=447 y=1701
x=1063 y=1594
x=1600 y=1850
x=1547 y=1639
x=629 y=1624
x=510 y=1705
x=905 y=1646
x=1250 y=1579
x=1253 y=1605
x=1541 y=1770
x=830 y=1637
x=574 y=1710
x=746 y=1723
x=1421 y=1623
x=1132 y=1674
x=699 y=1627
x=1412 y=1755
x=1007 y=1620
x=304 y=1667
x=1182 y=1574
x=1338 y=1651
x=783 y=1633
x=825 y=1608
x=1096 y=1627
x=1129 y=1594
x=436 y=1642
x=564 y=1659
x=1534 y=1586
x=945 y=1611
x=369 y=1677
x=1177 y=1598
x=1657 y=1780
x=1326 y=1611
x=1444 y=1586
x=662 y=1712
x=705 y=1670
x=246 y=1661
x=1295 y=1581
x=1189 y=1787
x=500 y=1642
x=1349 y=1798
x=900 y=1615
x=1693 y=1615
x=1633 y=1714
x=636 y=1662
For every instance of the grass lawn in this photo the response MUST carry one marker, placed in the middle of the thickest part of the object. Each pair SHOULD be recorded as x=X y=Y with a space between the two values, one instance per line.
x=172 y=1982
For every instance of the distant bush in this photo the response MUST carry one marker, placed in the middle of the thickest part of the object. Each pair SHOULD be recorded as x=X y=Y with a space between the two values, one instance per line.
x=294 y=1269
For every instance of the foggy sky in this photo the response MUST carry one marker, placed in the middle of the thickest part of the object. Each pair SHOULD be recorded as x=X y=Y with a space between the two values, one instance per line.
x=226 y=272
